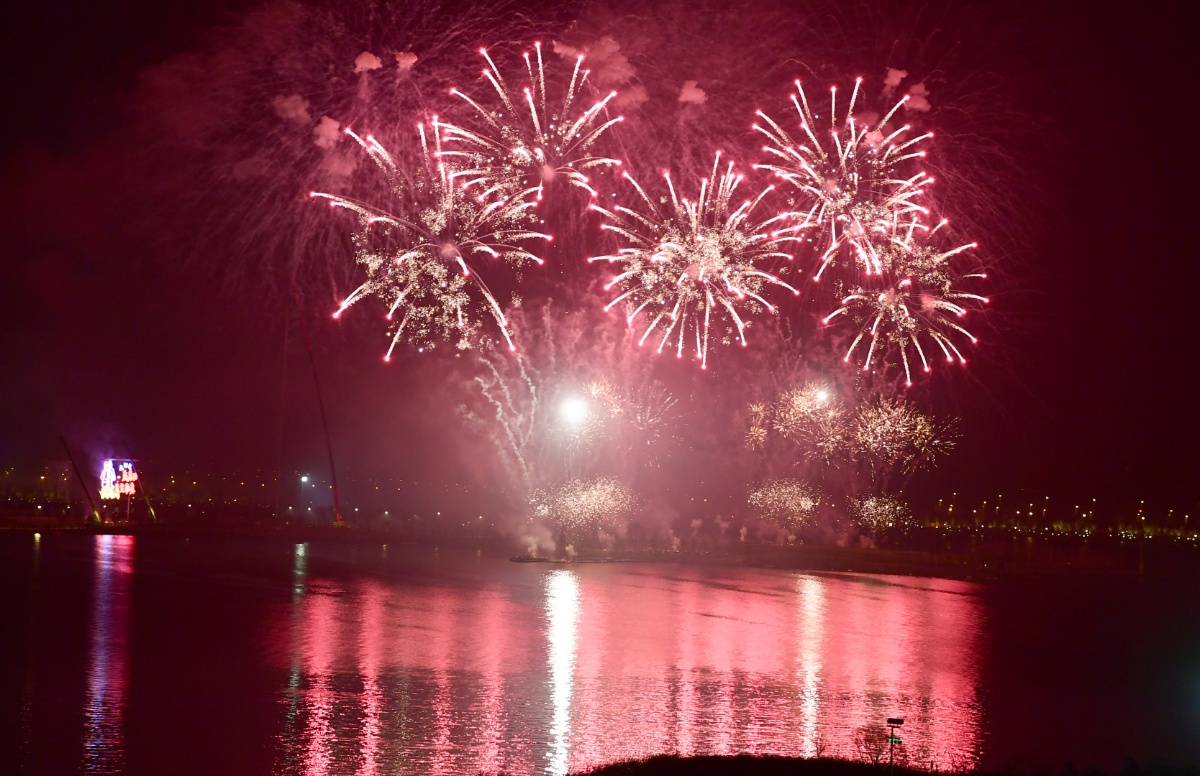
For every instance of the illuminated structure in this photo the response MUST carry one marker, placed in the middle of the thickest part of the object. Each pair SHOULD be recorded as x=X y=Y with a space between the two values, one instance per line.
x=117 y=479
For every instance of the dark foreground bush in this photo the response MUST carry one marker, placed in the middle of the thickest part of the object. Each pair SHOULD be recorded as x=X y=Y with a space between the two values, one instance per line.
x=748 y=765
x=751 y=765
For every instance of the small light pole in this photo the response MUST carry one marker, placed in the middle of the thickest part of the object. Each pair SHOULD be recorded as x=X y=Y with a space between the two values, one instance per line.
x=893 y=723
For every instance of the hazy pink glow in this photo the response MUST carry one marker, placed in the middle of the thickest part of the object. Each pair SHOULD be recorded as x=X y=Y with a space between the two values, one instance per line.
x=586 y=665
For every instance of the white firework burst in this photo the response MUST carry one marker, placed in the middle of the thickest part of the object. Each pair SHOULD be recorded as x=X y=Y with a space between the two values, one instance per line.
x=424 y=253
x=526 y=141
x=683 y=262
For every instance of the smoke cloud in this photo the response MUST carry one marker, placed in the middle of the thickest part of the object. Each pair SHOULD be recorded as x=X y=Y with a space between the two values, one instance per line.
x=918 y=99
x=405 y=61
x=326 y=133
x=691 y=93
x=293 y=108
x=367 y=61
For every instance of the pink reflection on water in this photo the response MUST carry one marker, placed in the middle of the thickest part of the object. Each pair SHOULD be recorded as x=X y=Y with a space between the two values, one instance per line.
x=556 y=670
x=370 y=652
x=108 y=655
x=319 y=644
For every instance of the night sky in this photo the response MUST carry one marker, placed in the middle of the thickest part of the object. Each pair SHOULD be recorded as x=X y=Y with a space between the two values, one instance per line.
x=126 y=327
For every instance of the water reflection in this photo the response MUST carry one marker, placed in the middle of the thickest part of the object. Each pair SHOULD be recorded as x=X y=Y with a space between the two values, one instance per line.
x=810 y=636
x=560 y=670
x=104 y=707
x=562 y=621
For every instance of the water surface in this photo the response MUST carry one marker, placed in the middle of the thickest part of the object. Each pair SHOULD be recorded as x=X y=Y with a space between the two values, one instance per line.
x=138 y=655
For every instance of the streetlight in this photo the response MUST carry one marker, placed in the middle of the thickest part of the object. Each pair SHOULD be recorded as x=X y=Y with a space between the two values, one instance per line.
x=303 y=482
x=893 y=723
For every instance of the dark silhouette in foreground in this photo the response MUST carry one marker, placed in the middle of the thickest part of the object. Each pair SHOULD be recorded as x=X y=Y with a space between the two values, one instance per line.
x=753 y=765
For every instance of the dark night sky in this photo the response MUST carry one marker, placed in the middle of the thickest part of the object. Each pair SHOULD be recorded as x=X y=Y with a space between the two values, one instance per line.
x=1087 y=386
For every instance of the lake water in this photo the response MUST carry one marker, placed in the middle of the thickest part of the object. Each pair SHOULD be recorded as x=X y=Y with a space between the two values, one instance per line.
x=160 y=655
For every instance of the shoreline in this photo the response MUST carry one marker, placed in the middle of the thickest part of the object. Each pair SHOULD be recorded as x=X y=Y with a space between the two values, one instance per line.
x=986 y=563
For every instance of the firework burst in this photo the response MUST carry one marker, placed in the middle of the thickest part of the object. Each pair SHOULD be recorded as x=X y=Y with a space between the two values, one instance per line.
x=581 y=425
x=811 y=416
x=814 y=417
x=922 y=300
x=859 y=175
x=786 y=502
x=603 y=503
x=892 y=435
x=680 y=266
x=528 y=141
x=876 y=513
x=422 y=254
x=756 y=437
x=641 y=419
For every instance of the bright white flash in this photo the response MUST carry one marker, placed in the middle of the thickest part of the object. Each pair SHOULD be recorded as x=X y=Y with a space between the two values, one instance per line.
x=574 y=411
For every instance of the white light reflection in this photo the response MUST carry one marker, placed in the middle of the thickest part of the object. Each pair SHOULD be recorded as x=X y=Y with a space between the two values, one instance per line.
x=104 y=734
x=291 y=732
x=299 y=571
x=810 y=632
x=562 y=625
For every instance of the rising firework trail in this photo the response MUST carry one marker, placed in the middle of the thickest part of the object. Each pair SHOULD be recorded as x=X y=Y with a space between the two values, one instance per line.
x=680 y=265
x=423 y=254
x=527 y=141
x=857 y=180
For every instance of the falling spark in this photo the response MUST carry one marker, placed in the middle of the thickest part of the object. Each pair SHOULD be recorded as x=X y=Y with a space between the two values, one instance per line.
x=814 y=417
x=892 y=434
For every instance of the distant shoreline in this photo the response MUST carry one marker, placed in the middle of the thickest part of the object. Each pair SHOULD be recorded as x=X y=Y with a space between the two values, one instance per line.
x=987 y=562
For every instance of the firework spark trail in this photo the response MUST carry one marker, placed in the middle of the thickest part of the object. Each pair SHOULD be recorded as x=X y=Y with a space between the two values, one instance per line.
x=526 y=142
x=920 y=299
x=422 y=254
x=786 y=502
x=517 y=421
x=651 y=412
x=603 y=503
x=680 y=265
x=860 y=178
x=640 y=418
x=545 y=413
x=876 y=513
x=235 y=127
